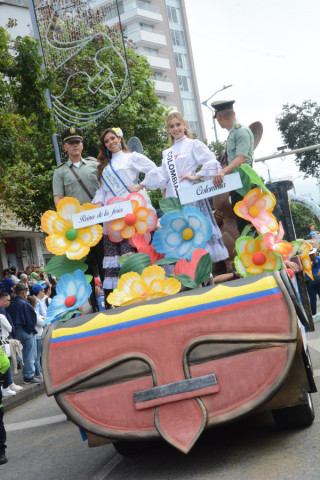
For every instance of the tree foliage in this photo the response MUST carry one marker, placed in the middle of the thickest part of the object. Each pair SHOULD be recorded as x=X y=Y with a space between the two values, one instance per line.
x=27 y=157
x=299 y=127
x=301 y=217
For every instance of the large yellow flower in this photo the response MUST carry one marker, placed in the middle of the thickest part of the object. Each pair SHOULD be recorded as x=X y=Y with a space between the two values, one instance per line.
x=63 y=239
x=135 y=288
x=256 y=207
x=305 y=259
x=254 y=257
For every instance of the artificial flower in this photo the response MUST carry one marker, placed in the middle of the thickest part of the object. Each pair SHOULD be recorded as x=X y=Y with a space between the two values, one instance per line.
x=63 y=239
x=134 y=288
x=305 y=259
x=189 y=268
x=117 y=131
x=72 y=293
x=254 y=257
x=256 y=207
x=275 y=242
x=182 y=233
x=142 y=246
x=141 y=220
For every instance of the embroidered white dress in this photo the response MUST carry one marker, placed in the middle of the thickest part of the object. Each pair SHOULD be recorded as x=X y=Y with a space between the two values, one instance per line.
x=189 y=155
x=128 y=166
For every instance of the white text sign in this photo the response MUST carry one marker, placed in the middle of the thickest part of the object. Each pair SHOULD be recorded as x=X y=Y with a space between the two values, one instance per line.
x=102 y=214
x=206 y=189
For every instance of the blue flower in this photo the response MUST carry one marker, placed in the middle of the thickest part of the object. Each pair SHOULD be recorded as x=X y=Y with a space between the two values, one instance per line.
x=182 y=233
x=72 y=293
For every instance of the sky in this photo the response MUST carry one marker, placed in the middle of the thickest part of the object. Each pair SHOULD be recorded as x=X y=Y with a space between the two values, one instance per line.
x=269 y=51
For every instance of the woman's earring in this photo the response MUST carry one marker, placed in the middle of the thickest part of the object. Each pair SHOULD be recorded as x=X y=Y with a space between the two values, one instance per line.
x=120 y=145
x=107 y=152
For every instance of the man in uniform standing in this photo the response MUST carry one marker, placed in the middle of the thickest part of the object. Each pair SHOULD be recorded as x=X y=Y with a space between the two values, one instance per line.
x=239 y=147
x=77 y=178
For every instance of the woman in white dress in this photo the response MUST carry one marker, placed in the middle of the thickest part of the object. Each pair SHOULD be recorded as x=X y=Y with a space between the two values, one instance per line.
x=118 y=175
x=185 y=156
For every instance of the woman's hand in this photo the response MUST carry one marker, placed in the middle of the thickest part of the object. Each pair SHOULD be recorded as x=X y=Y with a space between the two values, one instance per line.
x=99 y=204
x=135 y=189
x=192 y=178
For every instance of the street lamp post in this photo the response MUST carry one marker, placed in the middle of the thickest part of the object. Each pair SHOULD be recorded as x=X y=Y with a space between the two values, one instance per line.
x=205 y=103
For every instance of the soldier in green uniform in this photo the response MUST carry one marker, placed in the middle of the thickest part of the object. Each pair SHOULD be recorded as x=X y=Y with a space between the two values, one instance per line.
x=77 y=178
x=239 y=147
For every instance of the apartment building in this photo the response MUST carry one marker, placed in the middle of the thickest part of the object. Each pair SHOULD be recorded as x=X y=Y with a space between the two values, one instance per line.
x=159 y=28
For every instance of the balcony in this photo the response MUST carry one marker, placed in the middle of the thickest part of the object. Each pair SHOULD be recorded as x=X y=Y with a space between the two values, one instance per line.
x=158 y=63
x=163 y=87
x=141 y=15
x=145 y=38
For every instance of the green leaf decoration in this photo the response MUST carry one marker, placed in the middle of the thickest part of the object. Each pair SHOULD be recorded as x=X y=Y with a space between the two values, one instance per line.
x=249 y=230
x=203 y=269
x=246 y=182
x=167 y=261
x=60 y=265
x=69 y=314
x=185 y=280
x=170 y=204
x=254 y=178
x=297 y=246
x=88 y=278
x=135 y=263
x=123 y=258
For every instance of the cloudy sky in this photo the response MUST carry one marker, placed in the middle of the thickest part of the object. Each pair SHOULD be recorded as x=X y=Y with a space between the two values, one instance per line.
x=269 y=52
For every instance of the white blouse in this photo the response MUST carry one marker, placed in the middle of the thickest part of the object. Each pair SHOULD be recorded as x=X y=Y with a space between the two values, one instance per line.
x=189 y=154
x=128 y=166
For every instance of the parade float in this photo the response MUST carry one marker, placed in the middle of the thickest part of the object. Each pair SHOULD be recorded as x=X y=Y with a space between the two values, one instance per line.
x=180 y=352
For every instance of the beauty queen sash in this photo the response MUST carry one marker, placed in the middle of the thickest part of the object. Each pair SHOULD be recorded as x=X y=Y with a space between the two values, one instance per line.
x=114 y=182
x=171 y=167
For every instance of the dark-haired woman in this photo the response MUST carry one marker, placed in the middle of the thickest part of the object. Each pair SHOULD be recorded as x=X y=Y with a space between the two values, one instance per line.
x=118 y=175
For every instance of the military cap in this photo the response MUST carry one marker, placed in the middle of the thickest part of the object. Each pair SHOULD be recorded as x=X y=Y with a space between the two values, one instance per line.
x=220 y=105
x=72 y=134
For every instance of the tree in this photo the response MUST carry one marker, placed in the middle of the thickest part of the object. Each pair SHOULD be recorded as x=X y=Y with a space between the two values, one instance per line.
x=299 y=127
x=27 y=157
x=301 y=217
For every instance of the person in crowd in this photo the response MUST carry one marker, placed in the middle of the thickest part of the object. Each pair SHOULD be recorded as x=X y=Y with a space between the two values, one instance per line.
x=47 y=297
x=99 y=294
x=313 y=234
x=38 y=291
x=7 y=284
x=24 y=280
x=240 y=144
x=39 y=327
x=25 y=319
x=28 y=271
x=313 y=286
x=14 y=274
x=77 y=178
x=118 y=172
x=5 y=300
x=4 y=366
x=189 y=160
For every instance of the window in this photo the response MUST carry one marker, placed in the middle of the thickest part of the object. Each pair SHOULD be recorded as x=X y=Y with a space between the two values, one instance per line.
x=189 y=107
x=145 y=26
x=177 y=38
x=194 y=128
x=173 y=15
x=185 y=84
x=181 y=60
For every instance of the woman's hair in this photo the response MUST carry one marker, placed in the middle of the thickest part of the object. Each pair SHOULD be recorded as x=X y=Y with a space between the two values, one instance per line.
x=103 y=159
x=180 y=117
x=32 y=300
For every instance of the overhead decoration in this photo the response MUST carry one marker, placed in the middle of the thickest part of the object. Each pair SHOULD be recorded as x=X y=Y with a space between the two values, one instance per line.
x=62 y=238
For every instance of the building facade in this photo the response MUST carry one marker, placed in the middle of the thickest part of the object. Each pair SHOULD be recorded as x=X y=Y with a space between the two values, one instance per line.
x=159 y=28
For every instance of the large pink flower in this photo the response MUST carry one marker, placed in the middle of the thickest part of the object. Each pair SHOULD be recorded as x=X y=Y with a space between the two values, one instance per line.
x=256 y=207
x=141 y=220
x=189 y=268
x=275 y=242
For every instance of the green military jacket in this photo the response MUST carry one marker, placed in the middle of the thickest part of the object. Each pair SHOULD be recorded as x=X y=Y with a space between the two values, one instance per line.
x=240 y=142
x=65 y=183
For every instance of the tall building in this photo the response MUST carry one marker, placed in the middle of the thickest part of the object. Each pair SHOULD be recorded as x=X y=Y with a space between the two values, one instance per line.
x=159 y=28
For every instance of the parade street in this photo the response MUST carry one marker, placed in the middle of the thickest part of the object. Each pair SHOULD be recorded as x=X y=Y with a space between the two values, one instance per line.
x=42 y=444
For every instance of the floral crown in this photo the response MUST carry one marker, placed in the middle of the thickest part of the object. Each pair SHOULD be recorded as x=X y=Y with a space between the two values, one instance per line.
x=117 y=131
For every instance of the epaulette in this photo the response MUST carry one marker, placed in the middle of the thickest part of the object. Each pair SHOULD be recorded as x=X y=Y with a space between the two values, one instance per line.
x=60 y=164
x=92 y=159
x=238 y=126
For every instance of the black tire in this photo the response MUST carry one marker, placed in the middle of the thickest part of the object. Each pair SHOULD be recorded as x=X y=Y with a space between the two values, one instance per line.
x=132 y=448
x=295 y=416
